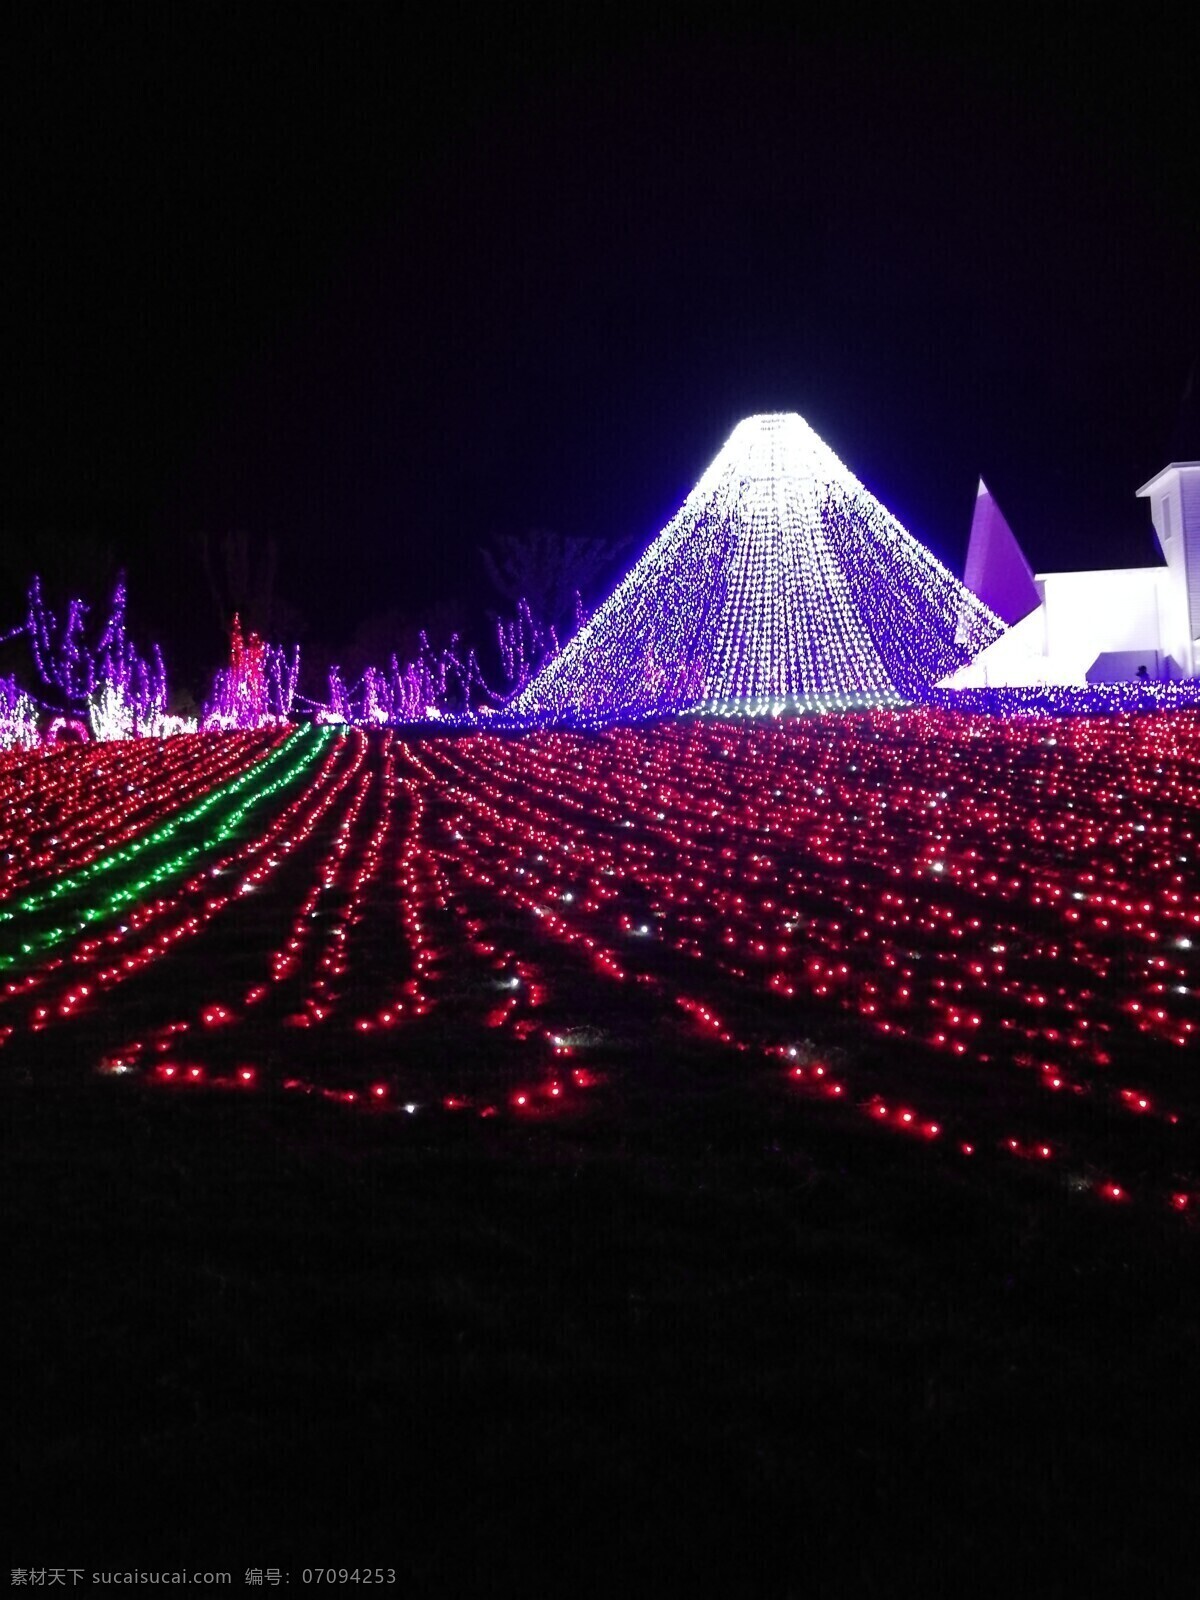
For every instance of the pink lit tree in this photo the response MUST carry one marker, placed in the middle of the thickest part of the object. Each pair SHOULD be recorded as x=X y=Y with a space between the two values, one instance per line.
x=258 y=686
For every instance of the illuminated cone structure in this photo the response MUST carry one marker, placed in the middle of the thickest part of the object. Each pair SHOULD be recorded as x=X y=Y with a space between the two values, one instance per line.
x=781 y=581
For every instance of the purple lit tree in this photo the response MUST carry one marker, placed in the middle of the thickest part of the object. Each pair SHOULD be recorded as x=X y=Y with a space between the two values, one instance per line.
x=435 y=685
x=526 y=647
x=62 y=658
x=122 y=693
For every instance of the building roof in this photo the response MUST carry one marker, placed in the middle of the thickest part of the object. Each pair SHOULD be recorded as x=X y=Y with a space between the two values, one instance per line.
x=1174 y=466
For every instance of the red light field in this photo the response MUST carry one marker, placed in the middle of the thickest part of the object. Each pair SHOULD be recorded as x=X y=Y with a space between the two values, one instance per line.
x=976 y=934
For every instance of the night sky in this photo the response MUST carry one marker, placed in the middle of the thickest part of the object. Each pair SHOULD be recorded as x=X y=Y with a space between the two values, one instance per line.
x=382 y=288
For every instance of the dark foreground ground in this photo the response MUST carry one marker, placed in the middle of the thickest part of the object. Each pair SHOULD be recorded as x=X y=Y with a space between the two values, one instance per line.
x=693 y=1337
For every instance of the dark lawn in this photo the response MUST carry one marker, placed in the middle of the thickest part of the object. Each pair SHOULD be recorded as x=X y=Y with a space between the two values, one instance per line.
x=690 y=1337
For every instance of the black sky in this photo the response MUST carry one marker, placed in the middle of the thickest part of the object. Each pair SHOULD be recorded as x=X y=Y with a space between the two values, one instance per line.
x=381 y=287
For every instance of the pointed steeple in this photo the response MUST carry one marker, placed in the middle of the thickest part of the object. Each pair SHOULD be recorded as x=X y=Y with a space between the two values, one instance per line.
x=997 y=571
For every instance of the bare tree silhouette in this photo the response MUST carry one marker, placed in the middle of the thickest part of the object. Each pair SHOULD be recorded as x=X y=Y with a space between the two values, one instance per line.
x=554 y=574
x=243 y=580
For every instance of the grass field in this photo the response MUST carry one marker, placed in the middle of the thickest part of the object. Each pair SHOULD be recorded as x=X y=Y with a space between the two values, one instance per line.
x=758 y=1159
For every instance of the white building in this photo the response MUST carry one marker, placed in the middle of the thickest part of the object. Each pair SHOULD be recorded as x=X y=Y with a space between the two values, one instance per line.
x=1076 y=628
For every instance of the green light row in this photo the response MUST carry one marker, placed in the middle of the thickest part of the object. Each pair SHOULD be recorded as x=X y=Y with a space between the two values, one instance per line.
x=160 y=835
x=120 y=898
